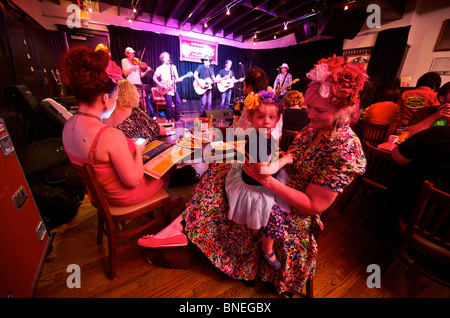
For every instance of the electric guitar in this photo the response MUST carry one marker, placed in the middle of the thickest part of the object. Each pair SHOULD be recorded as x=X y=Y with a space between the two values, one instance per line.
x=278 y=90
x=227 y=83
x=206 y=83
x=166 y=86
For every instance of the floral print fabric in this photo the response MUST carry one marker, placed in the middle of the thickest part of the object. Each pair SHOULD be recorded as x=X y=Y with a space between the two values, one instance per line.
x=236 y=250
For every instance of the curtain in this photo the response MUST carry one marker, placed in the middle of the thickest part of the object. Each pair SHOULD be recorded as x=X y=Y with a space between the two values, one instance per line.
x=386 y=58
x=301 y=58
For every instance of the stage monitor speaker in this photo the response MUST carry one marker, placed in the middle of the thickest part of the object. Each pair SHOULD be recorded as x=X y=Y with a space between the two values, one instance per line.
x=307 y=31
x=219 y=113
x=342 y=23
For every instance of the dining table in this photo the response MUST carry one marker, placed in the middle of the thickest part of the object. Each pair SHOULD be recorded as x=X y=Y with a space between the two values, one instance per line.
x=209 y=146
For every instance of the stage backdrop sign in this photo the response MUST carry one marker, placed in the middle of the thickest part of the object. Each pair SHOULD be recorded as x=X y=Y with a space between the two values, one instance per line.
x=193 y=50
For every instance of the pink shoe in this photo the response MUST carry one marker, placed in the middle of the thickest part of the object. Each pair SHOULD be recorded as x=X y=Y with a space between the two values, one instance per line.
x=168 y=241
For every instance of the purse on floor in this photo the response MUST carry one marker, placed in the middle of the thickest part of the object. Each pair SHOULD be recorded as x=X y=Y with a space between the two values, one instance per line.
x=171 y=257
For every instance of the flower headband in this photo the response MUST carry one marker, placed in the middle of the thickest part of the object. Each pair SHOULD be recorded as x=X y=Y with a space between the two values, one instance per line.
x=338 y=81
x=252 y=101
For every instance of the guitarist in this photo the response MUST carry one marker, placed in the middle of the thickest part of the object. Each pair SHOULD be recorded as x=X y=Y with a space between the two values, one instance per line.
x=226 y=74
x=202 y=73
x=166 y=77
x=283 y=80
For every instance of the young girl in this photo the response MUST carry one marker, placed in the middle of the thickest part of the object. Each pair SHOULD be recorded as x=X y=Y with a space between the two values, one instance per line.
x=250 y=203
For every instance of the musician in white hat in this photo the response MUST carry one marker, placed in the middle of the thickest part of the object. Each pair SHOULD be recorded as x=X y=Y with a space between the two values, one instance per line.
x=133 y=71
x=132 y=68
x=283 y=81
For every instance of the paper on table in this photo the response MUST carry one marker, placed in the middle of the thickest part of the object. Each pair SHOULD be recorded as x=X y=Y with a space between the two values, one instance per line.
x=160 y=164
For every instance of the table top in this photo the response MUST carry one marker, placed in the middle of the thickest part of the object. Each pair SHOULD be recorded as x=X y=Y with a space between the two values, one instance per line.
x=211 y=152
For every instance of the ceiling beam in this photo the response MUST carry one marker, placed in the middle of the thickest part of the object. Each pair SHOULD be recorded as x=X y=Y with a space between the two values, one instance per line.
x=155 y=11
x=205 y=16
x=182 y=21
x=172 y=12
x=271 y=24
x=241 y=26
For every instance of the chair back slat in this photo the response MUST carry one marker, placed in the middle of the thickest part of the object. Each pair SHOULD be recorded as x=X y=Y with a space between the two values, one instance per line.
x=287 y=137
x=430 y=218
x=373 y=133
x=95 y=191
x=380 y=165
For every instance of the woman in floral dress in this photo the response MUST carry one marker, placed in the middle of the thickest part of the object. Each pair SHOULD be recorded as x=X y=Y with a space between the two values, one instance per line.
x=327 y=156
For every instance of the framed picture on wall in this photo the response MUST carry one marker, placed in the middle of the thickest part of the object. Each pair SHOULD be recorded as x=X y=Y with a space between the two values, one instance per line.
x=443 y=42
x=361 y=55
x=359 y=58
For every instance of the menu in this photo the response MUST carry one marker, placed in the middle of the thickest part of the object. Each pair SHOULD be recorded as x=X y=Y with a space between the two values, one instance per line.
x=157 y=166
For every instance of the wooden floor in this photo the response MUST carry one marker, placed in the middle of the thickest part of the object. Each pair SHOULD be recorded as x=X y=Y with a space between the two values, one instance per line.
x=347 y=246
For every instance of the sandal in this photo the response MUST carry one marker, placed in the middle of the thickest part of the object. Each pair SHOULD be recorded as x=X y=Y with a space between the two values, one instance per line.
x=276 y=265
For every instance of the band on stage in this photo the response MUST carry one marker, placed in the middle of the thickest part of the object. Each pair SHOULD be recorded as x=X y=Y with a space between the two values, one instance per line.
x=205 y=81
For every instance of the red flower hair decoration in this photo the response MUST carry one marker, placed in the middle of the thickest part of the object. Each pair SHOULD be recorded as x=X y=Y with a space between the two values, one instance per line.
x=338 y=81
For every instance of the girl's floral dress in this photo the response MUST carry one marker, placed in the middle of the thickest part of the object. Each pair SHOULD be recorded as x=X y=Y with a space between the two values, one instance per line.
x=236 y=250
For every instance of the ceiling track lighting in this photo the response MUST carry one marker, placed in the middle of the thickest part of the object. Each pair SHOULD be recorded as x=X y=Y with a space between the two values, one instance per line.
x=227 y=11
x=317 y=7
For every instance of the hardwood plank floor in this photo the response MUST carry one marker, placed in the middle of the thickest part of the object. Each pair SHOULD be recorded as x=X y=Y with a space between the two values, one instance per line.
x=349 y=243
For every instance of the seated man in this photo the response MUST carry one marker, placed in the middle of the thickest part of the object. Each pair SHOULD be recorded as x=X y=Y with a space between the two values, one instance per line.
x=424 y=95
x=432 y=116
x=423 y=156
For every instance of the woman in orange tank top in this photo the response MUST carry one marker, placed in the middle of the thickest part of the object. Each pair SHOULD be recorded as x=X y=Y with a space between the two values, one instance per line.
x=117 y=160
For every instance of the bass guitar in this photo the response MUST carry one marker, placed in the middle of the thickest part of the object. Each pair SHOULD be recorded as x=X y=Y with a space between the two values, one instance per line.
x=206 y=83
x=278 y=90
x=166 y=86
x=227 y=83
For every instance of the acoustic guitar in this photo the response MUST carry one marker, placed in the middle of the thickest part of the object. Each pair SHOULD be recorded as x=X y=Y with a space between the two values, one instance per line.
x=206 y=83
x=278 y=90
x=166 y=86
x=227 y=83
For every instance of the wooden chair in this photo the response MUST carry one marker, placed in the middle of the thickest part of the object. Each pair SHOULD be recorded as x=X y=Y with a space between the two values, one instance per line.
x=427 y=231
x=375 y=134
x=380 y=170
x=158 y=100
x=110 y=216
x=287 y=137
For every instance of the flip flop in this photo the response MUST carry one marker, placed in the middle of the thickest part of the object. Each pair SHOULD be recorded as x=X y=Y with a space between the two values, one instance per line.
x=169 y=241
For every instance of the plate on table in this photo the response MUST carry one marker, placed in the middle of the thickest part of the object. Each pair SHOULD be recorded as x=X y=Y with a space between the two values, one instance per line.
x=221 y=146
x=201 y=139
x=190 y=143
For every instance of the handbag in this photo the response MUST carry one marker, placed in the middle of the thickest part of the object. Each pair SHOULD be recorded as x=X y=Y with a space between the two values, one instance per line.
x=183 y=176
x=171 y=257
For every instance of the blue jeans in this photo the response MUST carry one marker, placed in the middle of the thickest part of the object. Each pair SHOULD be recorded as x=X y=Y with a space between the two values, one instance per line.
x=205 y=101
x=173 y=100
x=225 y=99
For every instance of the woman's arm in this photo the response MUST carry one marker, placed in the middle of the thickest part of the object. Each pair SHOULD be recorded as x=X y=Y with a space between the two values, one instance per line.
x=314 y=200
x=130 y=169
